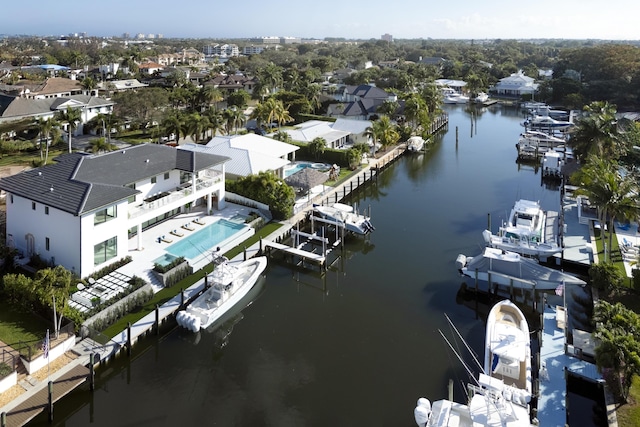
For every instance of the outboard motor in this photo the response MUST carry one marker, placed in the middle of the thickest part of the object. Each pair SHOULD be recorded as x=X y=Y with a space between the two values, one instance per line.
x=461 y=261
x=422 y=412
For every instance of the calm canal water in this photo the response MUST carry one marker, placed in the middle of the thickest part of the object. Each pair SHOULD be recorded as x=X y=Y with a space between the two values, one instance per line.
x=359 y=345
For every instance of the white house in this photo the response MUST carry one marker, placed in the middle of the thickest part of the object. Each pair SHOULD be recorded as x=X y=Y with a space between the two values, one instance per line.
x=517 y=84
x=81 y=211
x=307 y=131
x=355 y=128
x=249 y=154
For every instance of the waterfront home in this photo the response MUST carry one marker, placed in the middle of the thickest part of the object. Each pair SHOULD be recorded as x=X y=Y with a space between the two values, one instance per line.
x=307 y=131
x=248 y=154
x=81 y=211
x=516 y=85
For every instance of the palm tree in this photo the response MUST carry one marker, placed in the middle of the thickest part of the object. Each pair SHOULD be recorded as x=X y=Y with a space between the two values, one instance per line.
x=596 y=132
x=99 y=145
x=89 y=84
x=317 y=146
x=385 y=131
x=70 y=116
x=216 y=121
x=173 y=123
x=610 y=191
x=46 y=130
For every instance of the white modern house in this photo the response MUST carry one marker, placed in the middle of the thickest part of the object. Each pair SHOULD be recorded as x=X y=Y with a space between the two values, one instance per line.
x=81 y=211
x=248 y=154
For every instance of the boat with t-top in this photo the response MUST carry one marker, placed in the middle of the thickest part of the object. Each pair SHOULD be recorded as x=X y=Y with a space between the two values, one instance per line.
x=529 y=230
x=227 y=285
x=507 y=354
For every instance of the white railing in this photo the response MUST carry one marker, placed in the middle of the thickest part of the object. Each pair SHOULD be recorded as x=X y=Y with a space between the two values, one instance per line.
x=201 y=184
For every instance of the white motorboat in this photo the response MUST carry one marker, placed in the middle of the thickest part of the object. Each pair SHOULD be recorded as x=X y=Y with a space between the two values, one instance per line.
x=507 y=354
x=545 y=110
x=450 y=96
x=529 y=231
x=228 y=285
x=415 y=144
x=546 y=122
x=492 y=403
x=481 y=98
x=552 y=163
x=345 y=216
x=499 y=267
x=533 y=143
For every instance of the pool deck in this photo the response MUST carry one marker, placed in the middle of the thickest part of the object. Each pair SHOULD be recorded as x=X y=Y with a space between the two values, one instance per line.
x=152 y=249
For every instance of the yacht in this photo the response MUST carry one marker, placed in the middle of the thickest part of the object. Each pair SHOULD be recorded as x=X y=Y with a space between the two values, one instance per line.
x=529 y=231
x=228 y=284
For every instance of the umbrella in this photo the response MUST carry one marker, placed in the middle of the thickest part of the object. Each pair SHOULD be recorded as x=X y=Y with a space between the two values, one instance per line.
x=306 y=179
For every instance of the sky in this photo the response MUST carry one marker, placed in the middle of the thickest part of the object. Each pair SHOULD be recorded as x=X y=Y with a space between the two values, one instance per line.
x=350 y=19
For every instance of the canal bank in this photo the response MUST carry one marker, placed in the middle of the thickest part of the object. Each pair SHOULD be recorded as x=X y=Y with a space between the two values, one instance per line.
x=356 y=344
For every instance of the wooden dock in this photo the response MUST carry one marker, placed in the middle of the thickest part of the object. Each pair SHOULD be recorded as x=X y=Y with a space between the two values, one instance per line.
x=39 y=401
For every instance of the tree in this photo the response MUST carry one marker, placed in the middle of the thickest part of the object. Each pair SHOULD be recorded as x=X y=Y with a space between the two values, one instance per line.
x=611 y=192
x=47 y=129
x=317 y=146
x=100 y=145
x=266 y=187
x=596 y=132
x=618 y=351
x=70 y=116
x=239 y=98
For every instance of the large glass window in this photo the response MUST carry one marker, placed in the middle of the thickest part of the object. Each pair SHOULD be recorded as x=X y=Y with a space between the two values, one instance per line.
x=103 y=252
x=105 y=215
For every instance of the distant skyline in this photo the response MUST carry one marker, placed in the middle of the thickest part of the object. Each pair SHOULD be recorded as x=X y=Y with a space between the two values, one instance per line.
x=409 y=19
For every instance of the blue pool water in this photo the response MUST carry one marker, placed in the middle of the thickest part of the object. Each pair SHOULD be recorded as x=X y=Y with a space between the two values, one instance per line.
x=165 y=259
x=200 y=242
x=299 y=166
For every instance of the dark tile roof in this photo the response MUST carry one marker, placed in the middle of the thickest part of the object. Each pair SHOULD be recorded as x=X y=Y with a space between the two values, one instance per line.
x=79 y=183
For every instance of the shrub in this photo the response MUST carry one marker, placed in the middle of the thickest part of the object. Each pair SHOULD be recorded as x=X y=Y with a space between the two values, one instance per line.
x=164 y=268
x=110 y=268
x=5 y=369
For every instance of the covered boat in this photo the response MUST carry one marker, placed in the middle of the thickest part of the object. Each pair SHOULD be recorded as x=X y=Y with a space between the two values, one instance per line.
x=500 y=267
x=345 y=216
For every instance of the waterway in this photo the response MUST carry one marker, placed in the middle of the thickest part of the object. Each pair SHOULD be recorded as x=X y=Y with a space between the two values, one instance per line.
x=358 y=345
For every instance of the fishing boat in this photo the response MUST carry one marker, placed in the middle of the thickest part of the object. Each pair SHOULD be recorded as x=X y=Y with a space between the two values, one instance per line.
x=507 y=354
x=491 y=403
x=345 y=216
x=228 y=284
x=529 y=230
x=499 y=267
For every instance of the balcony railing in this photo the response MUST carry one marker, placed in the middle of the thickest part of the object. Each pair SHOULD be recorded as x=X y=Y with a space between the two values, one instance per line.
x=203 y=183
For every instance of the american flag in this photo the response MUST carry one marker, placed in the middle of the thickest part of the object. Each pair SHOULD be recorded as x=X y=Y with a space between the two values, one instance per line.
x=560 y=289
x=45 y=345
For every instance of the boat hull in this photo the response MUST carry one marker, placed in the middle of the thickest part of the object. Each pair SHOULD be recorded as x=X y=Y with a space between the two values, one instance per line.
x=202 y=313
x=508 y=347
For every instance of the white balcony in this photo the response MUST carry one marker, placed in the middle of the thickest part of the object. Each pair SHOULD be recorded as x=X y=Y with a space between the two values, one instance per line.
x=184 y=192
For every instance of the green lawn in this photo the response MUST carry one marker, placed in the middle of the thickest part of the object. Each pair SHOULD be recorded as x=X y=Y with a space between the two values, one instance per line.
x=19 y=329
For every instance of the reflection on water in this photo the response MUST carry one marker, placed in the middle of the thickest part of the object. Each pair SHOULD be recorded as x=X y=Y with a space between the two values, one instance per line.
x=357 y=344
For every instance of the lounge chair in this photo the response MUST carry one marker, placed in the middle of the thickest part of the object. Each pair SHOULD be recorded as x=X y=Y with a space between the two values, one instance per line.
x=188 y=227
x=164 y=239
x=177 y=233
x=198 y=221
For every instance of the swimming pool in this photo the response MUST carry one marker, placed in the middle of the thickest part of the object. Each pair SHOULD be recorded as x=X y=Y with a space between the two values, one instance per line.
x=200 y=243
x=297 y=167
